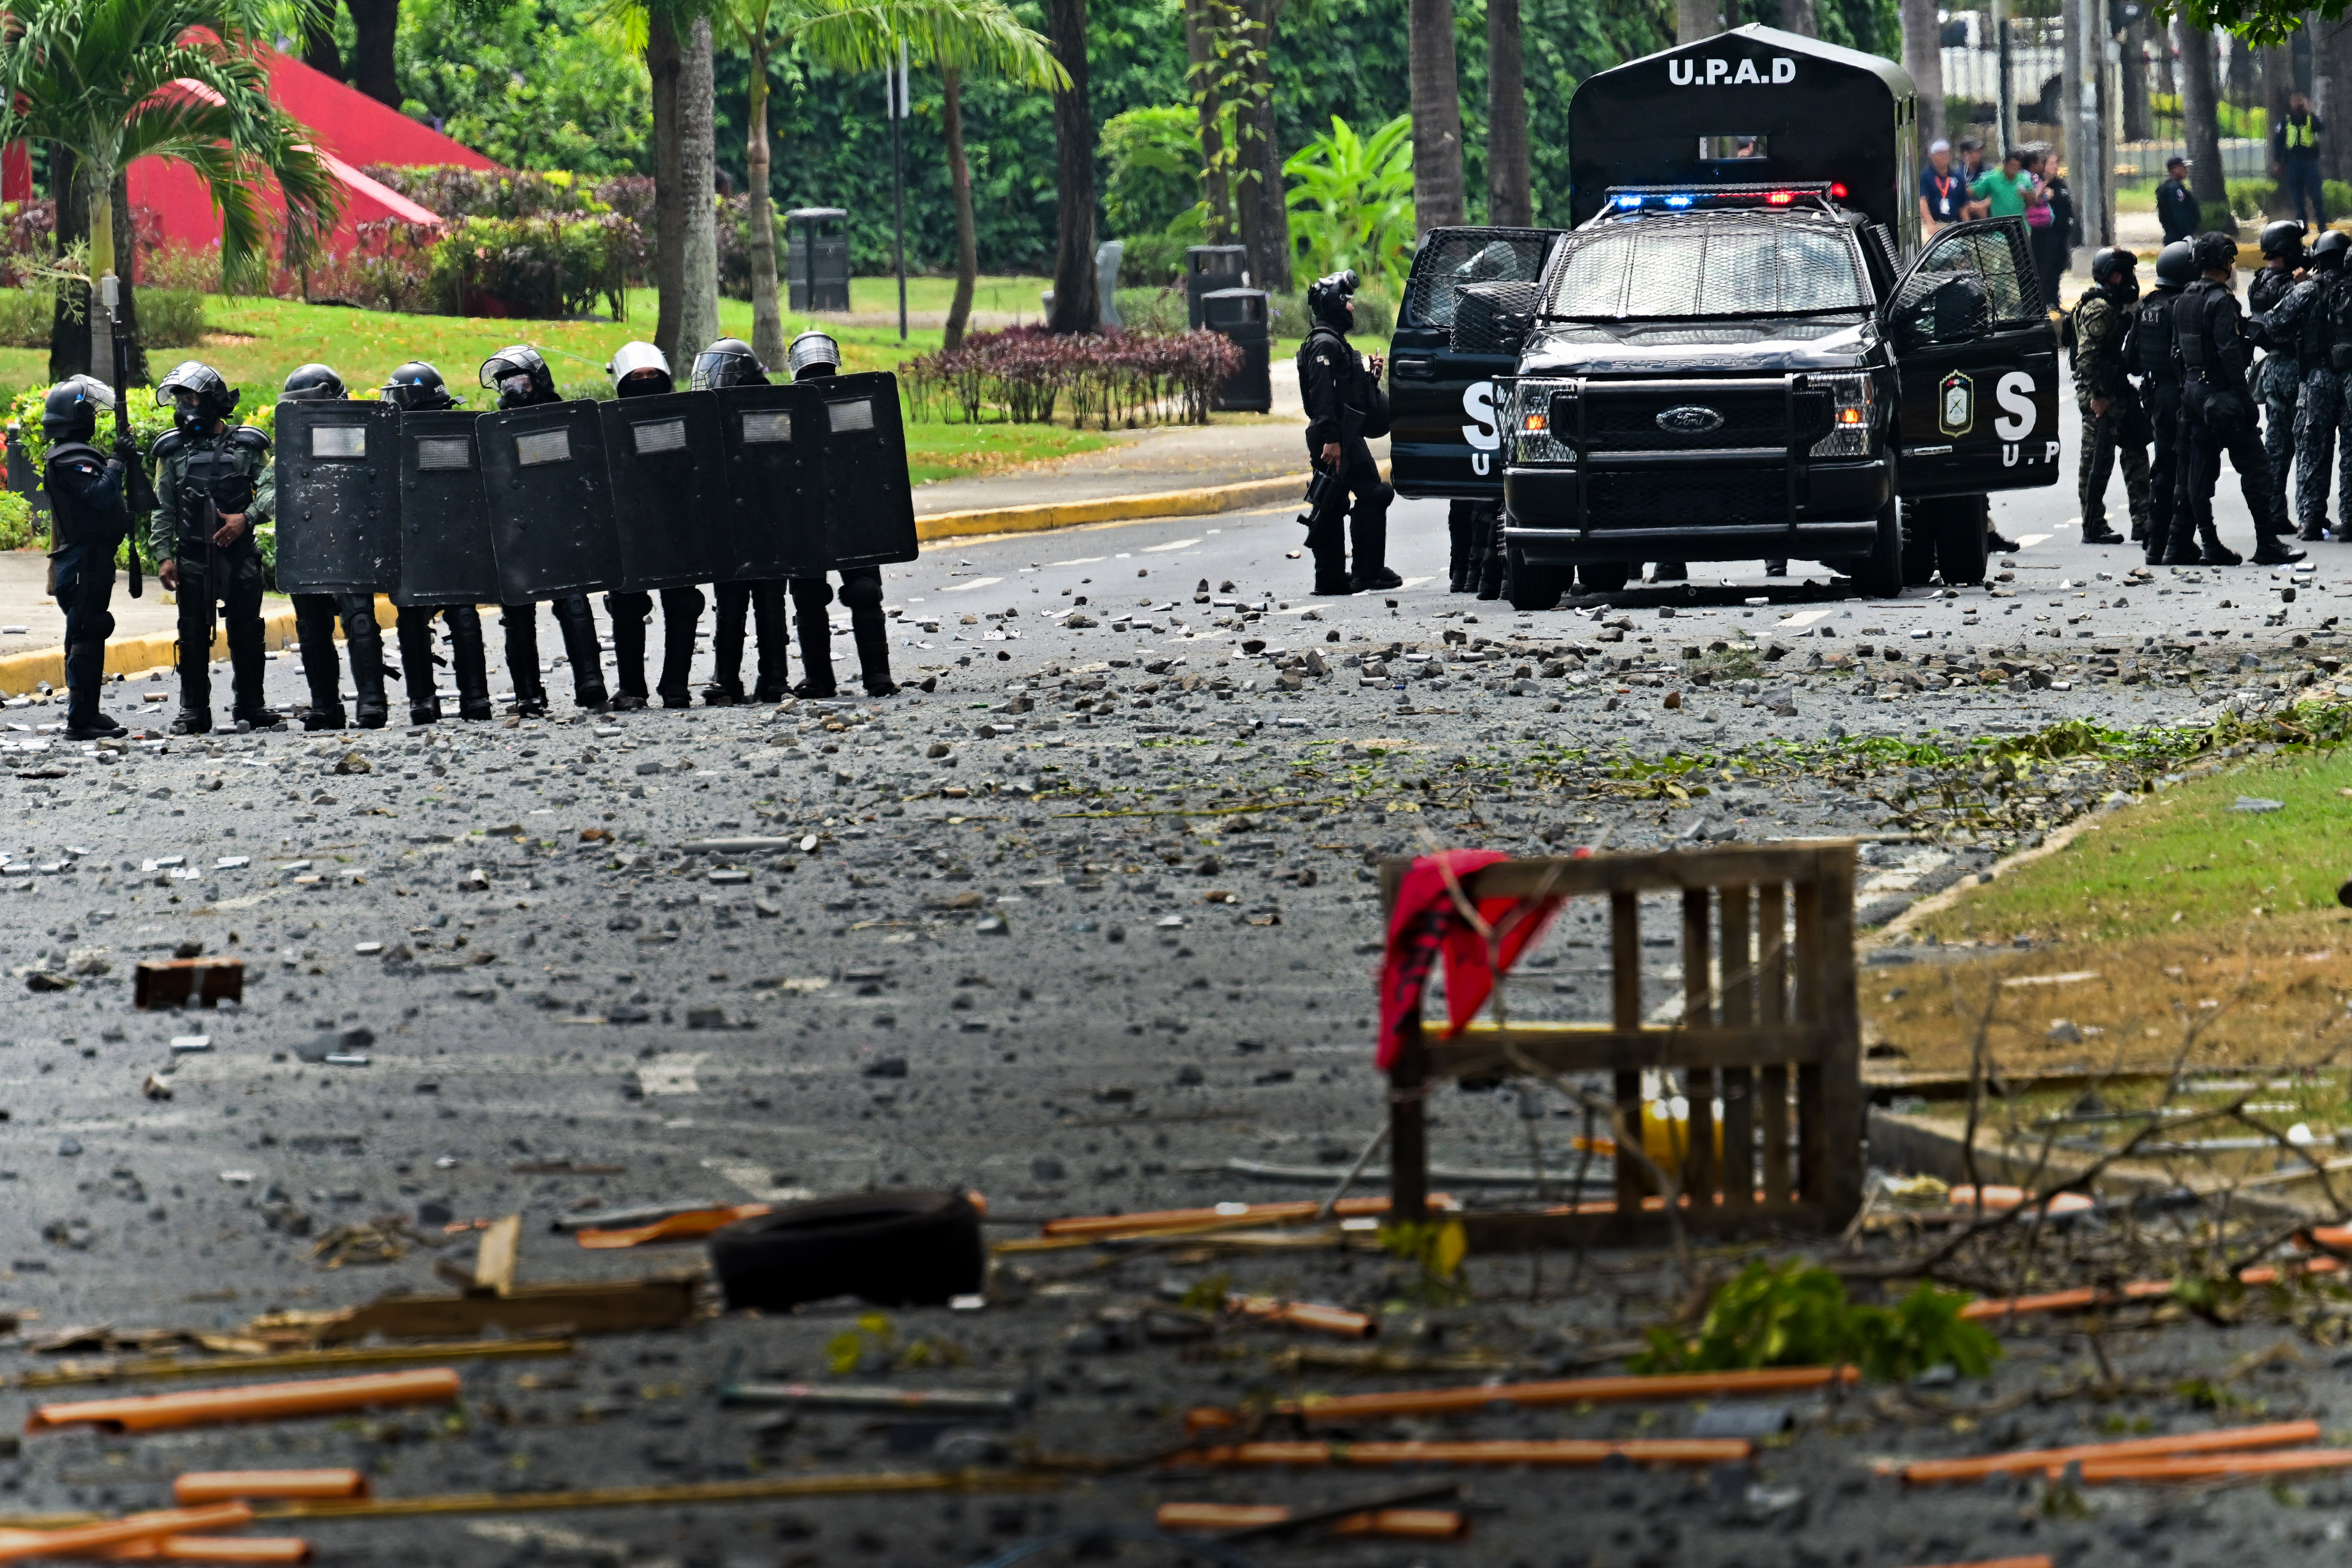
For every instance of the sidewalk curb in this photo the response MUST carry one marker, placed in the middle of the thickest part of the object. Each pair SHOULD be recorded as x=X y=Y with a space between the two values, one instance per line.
x=22 y=673
x=1246 y=495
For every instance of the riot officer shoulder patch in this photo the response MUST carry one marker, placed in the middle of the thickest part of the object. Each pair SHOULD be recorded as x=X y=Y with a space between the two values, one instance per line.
x=251 y=436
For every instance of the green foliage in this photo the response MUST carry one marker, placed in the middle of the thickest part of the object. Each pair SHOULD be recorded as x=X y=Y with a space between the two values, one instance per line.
x=2218 y=217
x=535 y=267
x=16 y=530
x=1153 y=310
x=1436 y=1247
x=27 y=313
x=1350 y=202
x=168 y=319
x=1208 y=1295
x=2253 y=199
x=1797 y=1315
x=1153 y=163
x=530 y=84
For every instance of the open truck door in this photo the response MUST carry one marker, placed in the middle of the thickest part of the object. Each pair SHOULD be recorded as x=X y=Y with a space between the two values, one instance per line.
x=1445 y=432
x=1977 y=361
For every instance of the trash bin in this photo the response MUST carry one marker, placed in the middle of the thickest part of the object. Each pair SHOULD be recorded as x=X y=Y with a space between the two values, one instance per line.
x=1240 y=314
x=1208 y=269
x=816 y=259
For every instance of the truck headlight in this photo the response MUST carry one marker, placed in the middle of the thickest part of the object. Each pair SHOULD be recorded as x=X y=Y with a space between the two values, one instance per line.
x=1852 y=408
x=1527 y=416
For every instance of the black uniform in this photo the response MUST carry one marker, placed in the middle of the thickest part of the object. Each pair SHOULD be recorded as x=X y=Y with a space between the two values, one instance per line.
x=2295 y=332
x=814 y=355
x=2160 y=368
x=89 y=518
x=2102 y=324
x=2218 y=419
x=2278 y=380
x=418 y=388
x=1341 y=397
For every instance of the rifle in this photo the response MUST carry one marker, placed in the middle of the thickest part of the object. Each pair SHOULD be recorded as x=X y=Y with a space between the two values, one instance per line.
x=110 y=292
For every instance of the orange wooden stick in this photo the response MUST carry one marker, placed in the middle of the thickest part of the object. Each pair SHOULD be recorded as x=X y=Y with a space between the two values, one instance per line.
x=86 y=1540
x=2217 y=1467
x=2072 y=1300
x=1565 y=1391
x=255 y=1402
x=2278 y=1435
x=690 y=1225
x=1506 y=1452
x=219 y=1486
x=1415 y=1523
x=1180 y=1219
x=212 y=1549
x=1305 y=1315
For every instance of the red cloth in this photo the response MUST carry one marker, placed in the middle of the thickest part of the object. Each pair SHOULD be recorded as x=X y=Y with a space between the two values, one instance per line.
x=1425 y=926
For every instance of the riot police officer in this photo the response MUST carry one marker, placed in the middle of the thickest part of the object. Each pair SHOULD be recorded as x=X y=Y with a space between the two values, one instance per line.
x=2113 y=419
x=314 y=613
x=212 y=487
x=2160 y=370
x=521 y=379
x=2302 y=327
x=2219 y=415
x=641 y=370
x=729 y=361
x=90 y=517
x=814 y=354
x=417 y=388
x=2279 y=378
x=1342 y=398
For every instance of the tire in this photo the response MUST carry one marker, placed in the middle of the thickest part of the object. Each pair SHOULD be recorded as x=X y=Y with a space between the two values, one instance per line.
x=1918 y=543
x=891 y=1248
x=1603 y=576
x=1879 y=574
x=1959 y=524
x=1532 y=588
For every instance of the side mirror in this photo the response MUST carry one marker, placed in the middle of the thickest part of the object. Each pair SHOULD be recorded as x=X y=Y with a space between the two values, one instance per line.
x=1956 y=309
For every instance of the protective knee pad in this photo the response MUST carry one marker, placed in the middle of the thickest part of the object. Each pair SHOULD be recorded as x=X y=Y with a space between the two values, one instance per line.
x=862 y=590
x=634 y=607
x=682 y=603
x=811 y=594
x=574 y=616
x=96 y=625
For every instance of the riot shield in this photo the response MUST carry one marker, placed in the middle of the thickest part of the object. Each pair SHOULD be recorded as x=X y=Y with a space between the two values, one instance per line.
x=869 y=505
x=665 y=458
x=551 y=506
x=774 y=439
x=338 y=475
x=444 y=519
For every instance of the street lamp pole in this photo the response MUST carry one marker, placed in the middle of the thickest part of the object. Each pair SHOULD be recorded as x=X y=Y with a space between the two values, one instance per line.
x=898 y=174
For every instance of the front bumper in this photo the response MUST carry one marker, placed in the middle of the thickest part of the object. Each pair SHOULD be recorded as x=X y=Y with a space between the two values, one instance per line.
x=1722 y=506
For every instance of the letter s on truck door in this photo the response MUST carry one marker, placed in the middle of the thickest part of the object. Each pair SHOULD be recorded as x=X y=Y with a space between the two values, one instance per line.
x=1978 y=359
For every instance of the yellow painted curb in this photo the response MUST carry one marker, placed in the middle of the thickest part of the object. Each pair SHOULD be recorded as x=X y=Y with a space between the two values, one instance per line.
x=22 y=673
x=1116 y=508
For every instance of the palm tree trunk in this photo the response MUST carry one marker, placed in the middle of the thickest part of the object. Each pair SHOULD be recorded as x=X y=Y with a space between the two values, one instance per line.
x=1697 y=19
x=1201 y=72
x=2137 y=126
x=697 y=170
x=68 y=332
x=1797 y=17
x=967 y=238
x=1923 y=56
x=319 y=51
x=663 y=64
x=1510 y=198
x=127 y=310
x=375 y=25
x=1272 y=267
x=1436 y=114
x=767 y=325
x=2201 y=116
x=1075 y=307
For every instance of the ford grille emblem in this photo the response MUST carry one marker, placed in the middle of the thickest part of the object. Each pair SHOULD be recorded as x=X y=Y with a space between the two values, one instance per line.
x=1690 y=420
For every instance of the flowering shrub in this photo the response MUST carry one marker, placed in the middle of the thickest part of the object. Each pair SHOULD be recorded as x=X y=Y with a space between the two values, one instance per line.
x=1022 y=374
x=456 y=192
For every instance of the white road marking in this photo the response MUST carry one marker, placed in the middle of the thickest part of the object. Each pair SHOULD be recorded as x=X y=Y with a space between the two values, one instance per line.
x=975 y=583
x=1805 y=617
x=672 y=1072
x=2028 y=541
x=1413 y=583
x=1077 y=561
x=1173 y=544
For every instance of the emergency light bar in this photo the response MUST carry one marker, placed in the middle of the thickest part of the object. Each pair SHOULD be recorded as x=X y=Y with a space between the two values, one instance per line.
x=1673 y=198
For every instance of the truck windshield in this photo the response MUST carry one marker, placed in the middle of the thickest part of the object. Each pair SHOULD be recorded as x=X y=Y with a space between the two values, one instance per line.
x=1684 y=270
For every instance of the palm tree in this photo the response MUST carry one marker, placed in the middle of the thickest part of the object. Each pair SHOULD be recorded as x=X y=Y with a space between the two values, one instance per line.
x=1436 y=114
x=1510 y=193
x=953 y=36
x=109 y=81
x=675 y=37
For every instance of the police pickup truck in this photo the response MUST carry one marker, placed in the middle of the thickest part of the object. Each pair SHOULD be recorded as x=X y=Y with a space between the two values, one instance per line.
x=1741 y=351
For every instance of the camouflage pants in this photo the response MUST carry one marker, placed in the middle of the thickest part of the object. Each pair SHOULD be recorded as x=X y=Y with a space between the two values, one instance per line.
x=2279 y=379
x=2124 y=427
x=2323 y=415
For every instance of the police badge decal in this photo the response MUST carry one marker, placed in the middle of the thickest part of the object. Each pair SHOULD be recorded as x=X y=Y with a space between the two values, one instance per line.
x=1955 y=403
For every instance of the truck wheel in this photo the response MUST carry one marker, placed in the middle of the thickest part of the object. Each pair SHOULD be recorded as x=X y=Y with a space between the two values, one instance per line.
x=1603 y=576
x=1919 y=542
x=1879 y=574
x=1958 y=523
x=1533 y=587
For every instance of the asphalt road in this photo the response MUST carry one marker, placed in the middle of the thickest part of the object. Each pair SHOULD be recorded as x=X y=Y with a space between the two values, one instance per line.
x=1085 y=922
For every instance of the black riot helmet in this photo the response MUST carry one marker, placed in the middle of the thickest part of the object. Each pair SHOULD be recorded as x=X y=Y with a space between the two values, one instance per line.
x=2329 y=250
x=417 y=388
x=70 y=411
x=2176 y=266
x=640 y=370
x=519 y=376
x=814 y=354
x=312 y=384
x=2110 y=260
x=2282 y=238
x=2213 y=250
x=196 y=395
x=729 y=361
x=1330 y=300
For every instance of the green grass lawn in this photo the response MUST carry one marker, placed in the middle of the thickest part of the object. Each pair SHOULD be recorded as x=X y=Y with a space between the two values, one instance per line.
x=255 y=343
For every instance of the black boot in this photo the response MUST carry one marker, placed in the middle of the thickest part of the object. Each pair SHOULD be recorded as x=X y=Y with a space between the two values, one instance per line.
x=726 y=644
x=323 y=673
x=1669 y=571
x=872 y=634
x=628 y=612
x=521 y=624
x=414 y=630
x=1332 y=579
x=467 y=663
x=1460 y=528
x=364 y=640
x=247 y=664
x=774 y=632
x=2100 y=533
x=1371 y=528
x=816 y=640
x=2272 y=551
x=578 y=624
x=681 y=614
x=2214 y=553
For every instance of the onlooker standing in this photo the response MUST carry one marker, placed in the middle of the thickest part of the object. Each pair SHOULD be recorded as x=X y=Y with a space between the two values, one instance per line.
x=1972 y=169
x=2050 y=222
x=1942 y=193
x=2176 y=207
x=2003 y=192
x=2294 y=160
